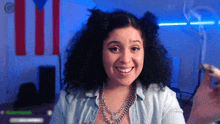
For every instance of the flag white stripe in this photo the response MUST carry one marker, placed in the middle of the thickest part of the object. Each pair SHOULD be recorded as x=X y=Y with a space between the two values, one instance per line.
x=48 y=28
x=30 y=27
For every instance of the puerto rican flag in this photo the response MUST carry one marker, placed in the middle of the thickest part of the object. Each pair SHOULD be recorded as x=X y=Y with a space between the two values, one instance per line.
x=37 y=27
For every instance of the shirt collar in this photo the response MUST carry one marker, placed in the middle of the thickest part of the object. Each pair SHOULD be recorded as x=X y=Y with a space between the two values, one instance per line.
x=139 y=91
x=92 y=93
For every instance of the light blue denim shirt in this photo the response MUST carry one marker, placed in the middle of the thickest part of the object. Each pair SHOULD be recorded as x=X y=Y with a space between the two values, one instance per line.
x=151 y=106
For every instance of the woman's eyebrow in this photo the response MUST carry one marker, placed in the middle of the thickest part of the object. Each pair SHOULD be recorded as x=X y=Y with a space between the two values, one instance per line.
x=131 y=41
x=112 y=42
x=135 y=41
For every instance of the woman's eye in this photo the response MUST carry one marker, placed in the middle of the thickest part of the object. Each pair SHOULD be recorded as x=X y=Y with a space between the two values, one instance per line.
x=113 y=49
x=135 y=48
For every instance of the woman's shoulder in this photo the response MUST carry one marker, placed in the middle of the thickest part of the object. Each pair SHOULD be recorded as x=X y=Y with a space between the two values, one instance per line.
x=154 y=91
x=70 y=95
x=67 y=96
x=164 y=97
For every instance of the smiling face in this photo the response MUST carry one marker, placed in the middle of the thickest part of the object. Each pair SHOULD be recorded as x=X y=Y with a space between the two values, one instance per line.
x=123 y=56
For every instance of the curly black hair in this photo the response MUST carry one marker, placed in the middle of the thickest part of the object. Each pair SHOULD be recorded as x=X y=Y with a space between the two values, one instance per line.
x=84 y=68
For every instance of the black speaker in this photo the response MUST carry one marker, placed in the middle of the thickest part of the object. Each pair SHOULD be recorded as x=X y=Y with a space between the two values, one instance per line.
x=27 y=96
x=47 y=84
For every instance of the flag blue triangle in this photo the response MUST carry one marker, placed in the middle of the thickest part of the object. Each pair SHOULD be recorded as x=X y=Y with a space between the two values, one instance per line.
x=40 y=4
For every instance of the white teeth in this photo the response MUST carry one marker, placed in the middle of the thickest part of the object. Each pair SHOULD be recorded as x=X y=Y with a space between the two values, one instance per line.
x=124 y=70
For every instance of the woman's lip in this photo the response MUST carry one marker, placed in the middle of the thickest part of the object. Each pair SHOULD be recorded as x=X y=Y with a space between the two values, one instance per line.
x=124 y=67
x=124 y=70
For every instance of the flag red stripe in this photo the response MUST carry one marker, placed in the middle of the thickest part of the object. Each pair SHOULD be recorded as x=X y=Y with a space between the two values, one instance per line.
x=20 y=27
x=39 y=32
x=56 y=26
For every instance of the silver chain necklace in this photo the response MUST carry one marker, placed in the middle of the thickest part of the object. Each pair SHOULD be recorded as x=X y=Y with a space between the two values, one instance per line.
x=126 y=105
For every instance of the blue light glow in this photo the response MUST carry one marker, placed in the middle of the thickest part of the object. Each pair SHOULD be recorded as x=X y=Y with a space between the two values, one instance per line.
x=171 y=24
x=191 y=23
x=202 y=23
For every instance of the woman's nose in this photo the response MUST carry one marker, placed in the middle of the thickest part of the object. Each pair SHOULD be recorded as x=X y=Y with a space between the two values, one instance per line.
x=125 y=57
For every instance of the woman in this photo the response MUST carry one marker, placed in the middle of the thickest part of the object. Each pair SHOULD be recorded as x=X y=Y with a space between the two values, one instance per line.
x=116 y=73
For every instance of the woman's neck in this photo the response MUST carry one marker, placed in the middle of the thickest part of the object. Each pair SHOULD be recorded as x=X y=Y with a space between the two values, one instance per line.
x=118 y=89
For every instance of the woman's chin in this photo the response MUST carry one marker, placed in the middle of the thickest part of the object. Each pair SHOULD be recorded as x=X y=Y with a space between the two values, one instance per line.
x=124 y=83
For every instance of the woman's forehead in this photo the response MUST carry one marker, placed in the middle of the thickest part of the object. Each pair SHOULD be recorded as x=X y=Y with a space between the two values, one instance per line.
x=128 y=33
